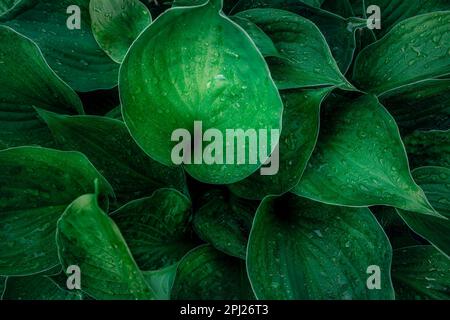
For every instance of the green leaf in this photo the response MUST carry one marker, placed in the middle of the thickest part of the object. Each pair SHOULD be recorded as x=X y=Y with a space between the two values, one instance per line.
x=117 y=23
x=26 y=81
x=421 y=273
x=428 y=148
x=88 y=238
x=207 y=274
x=299 y=41
x=339 y=7
x=300 y=249
x=360 y=160
x=161 y=281
x=414 y=50
x=297 y=142
x=37 y=287
x=73 y=54
x=115 y=113
x=156 y=228
x=36 y=185
x=435 y=181
x=224 y=221
x=229 y=87
x=421 y=106
x=108 y=144
x=8 y=5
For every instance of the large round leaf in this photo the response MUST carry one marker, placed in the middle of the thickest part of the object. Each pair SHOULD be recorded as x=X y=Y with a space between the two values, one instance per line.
x=360 y=160
x=26 y=81
x=207 y=70
x=414 y=50
x=36 y=185
x=157 y=228
x=300 y=249
x=207 y=274
x=428 y=148
x=72 y=53
x=88 y=238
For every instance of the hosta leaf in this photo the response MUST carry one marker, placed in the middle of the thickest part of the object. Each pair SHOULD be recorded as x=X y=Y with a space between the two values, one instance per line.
x=229 y=87
x=73 y=54
x=156 y=228
x=300 y=249
x=307 y=58
x=224 y=221
x=26 y=81
x=161 y=281
x=108 y=144
x=435 y=181
x=420 y=106
x=37 y=287
x=340 y=7
x=297 y=142
x=360 y=160
x=88 y=238
x=117 y=23
x=421 y=273
x=115 y=113
x=36 y=185
x=207 y=274
x=428 y=148
x=414 y=50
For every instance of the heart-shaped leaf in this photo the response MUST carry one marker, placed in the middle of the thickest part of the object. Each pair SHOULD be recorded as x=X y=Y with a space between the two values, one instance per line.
x=224 y=221
x=69 y=47
x=88 y=238
x=228 y=88
x=435 y=181
x=108 y=144
x=300 y=249
x=421 y=273
x=157 y=228
x=117 y=23
x=414 y=50
x=307 y=58
x=428 y=148
x=36 y=185
x=161 y=281
x=207 y=274
x=37 y=287
x=26 y=81
x=360 y=160
x=297 y=142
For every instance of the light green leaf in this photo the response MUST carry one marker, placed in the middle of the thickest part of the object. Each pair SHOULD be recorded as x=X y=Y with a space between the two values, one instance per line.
x=300 y=249
x=213 y=74
x=207 y=274
x=161 y=281
x=224 y=221
x=307 y=58
x=297 y=142
x=108 y=144
x=360 y=160
x=157 y=228
x=117 y=23
x=435 y=181
x=37 y=287
x=26 y=81
x=73 y=54
x=421 y=273
x=88 y=238
x=428 y=148
x=421 y=106
x=36 y=185
x=414 y=50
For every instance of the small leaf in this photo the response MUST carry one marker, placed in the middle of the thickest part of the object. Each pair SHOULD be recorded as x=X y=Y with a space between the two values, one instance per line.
x=88 y=238
x=414 y=50
x=156 y=228
x=300 y=249
x=435 y=181
x=117 y=23
x=207 y=274
x=161 y=281
x=360 y=160
x=421 y=273
x=36 y=185
x=428 y=148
